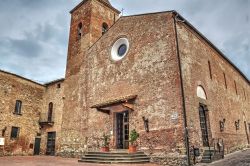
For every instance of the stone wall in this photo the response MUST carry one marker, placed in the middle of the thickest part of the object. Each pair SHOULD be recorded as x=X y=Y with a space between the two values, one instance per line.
x=54 y=93
x=170 y=160
x=14 y=88
x=225 y=100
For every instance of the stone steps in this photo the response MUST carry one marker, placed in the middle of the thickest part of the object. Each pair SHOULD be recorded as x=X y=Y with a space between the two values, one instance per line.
x=209 y=155
x=115 y=157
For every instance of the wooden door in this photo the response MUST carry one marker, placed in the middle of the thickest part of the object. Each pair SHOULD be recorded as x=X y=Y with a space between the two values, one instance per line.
x=203 y=124
x=122 y=130
x=37 y=146
x=51 y=140
x=119 y=131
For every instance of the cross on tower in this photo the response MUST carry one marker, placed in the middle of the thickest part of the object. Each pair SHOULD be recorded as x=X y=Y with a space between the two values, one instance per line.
x=122 y=11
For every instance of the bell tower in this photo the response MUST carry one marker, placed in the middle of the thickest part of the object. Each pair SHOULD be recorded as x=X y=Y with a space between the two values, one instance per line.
x=89 y=21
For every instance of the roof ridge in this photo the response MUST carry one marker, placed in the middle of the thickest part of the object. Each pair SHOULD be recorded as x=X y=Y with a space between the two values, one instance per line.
x=19 y=76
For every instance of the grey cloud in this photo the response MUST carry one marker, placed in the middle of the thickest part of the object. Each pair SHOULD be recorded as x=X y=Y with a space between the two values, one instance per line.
x=25 y=47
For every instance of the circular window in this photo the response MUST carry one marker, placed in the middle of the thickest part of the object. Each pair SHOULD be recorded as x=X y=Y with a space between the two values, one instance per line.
x=120 y=49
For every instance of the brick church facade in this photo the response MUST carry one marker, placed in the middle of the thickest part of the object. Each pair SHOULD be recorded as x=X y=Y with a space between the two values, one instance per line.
x=154 y=73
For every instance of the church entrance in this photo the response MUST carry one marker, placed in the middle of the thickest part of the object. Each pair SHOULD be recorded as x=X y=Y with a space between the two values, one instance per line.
x=122 y=130
x=203 y=124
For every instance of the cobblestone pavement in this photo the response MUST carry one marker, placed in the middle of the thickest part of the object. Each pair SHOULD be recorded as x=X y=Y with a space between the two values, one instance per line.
x=50 y=161
x=241 y=158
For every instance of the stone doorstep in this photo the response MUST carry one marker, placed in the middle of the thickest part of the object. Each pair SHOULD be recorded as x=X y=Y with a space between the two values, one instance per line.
x=115 y=157
x=115 y=162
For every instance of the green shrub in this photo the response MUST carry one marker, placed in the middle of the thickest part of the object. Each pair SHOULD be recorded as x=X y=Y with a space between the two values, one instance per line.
x=133 y=137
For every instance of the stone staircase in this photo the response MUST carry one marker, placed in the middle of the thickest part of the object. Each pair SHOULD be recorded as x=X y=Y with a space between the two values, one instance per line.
x=210 y=155
x=207 y=155
x=115 y=158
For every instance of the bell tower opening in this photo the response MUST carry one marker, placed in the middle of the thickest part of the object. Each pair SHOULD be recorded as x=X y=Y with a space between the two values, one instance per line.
x=90 y=19
x=79 y=30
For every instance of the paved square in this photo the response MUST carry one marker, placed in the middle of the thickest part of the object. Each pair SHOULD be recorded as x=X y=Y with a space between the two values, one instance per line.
x=51 y=161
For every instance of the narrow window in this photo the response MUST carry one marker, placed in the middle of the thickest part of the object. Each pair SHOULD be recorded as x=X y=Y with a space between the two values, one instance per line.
x=18 y=107
x=235 y=86
x=50 y=111
x=210 y=70
x=249 y=127
x=79 y=31
x=114 y=18
x=14 y=132
x=225 y=80
x=244 y=94
x=105 y=28
x=58 y=86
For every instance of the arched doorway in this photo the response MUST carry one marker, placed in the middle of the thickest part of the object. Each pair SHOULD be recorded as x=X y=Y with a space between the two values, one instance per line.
x=203 y=115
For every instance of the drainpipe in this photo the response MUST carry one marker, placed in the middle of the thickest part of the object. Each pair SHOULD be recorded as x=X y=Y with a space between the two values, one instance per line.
x=182 y=90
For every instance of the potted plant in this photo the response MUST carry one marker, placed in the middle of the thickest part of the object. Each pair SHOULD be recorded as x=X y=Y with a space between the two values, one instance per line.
x=133 y=138
x=105 y=145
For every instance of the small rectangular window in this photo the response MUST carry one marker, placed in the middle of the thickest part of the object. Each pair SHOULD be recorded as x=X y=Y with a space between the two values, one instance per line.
x=18 y=107
x=58 y=86
x=225 y=80
x=235 y=86
x=14 y=132
x=210 y=70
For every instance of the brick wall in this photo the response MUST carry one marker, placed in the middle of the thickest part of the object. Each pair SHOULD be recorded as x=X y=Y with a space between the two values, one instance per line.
x=222 y=100
x=91 y=14
x=149 y=70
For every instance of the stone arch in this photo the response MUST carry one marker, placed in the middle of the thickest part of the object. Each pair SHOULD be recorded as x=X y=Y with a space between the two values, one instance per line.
x=105 y=27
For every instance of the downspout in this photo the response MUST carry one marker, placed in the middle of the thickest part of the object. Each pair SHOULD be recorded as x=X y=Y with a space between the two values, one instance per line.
x=182 y=91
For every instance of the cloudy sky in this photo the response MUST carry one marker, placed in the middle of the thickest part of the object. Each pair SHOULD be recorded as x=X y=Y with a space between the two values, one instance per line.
x=34 y=33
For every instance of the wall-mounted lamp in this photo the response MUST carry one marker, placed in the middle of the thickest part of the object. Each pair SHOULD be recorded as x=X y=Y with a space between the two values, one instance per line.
x=222 y=124
x=237 y=124
x=145 y=124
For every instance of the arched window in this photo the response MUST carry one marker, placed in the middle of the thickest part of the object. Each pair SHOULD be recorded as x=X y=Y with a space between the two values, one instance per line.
x=105 y=28
x=201 y=92
x=79 y=31
x=50 y=112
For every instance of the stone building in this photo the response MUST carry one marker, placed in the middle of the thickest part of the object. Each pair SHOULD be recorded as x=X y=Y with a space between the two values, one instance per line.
x=51 y=117
x=20 y=108
x=29 y=113
x=154 y=73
